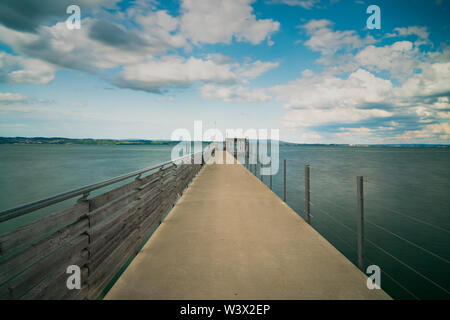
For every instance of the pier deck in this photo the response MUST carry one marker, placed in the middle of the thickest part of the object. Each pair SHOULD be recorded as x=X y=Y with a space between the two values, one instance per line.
x=231 y=237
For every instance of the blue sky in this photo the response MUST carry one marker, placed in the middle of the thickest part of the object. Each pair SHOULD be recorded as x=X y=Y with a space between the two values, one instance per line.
x=311 y=68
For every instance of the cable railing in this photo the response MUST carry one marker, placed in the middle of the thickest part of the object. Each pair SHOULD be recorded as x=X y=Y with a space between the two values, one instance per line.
x=420 y=221
x=385 y=251
x=401 y=189
x=358 y=233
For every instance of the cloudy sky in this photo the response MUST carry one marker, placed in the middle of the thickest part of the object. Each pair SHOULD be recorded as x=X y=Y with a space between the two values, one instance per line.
x=141 y=69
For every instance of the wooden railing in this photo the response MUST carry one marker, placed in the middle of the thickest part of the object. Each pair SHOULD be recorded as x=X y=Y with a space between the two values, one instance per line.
x=99 y=234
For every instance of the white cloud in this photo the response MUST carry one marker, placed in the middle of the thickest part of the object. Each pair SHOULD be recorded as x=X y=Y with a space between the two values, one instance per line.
x=315 y=100
x=323 y=39
x=162 y=30
x=236 y=94
x=400 y=58
x=306 y=4
x=316 y=117
x=326 y=91
x=215 y=21
x=29 y=15
x=169 y=71
x=17 y=69
x=7 y=98
x=142 y=50
x=346 y=51
x=434 y=80
x=255 y=69
x=420 y=93
x=156 y=74
x=420 y=32
x=442 y=103
x=441 y=130
x=62 y=47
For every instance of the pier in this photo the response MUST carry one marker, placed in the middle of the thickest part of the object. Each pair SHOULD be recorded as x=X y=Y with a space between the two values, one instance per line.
x=175 y=231
x=231 y=237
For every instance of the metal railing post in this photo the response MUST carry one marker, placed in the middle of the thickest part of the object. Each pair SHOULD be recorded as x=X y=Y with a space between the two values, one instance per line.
x=284 y=194
x=360 y=227
x=270 y=173
x=307 y=194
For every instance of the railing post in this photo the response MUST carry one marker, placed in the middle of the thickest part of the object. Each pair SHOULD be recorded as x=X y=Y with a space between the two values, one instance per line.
x=260 y=174
x=284 y=195
x=360 y=228
x=271 y=173
x=307 y=194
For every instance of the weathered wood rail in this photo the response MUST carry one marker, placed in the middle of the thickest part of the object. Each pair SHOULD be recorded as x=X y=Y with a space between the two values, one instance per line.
x=98 y=234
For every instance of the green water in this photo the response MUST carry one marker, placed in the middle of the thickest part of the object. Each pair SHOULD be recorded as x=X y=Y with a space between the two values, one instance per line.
x=399 y=181
x=34 y=172
x=409 y=181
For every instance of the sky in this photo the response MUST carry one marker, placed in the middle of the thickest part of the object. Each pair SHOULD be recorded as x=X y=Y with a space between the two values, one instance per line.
x=310 y=68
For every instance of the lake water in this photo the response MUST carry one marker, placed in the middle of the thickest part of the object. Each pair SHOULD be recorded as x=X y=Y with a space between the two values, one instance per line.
x=406 y=198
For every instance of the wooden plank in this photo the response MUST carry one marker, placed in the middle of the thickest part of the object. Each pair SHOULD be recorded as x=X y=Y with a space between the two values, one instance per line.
x=186 y=176
x=54 y=287
x=101 y=249
x=98 y=280
x=102 y=229
x=120 y=204
x=149 y=189
x=35 y=230
x=99 y=283
x=18 y=286
x=108 y=210
x=151 y=222
x=111 y=195
x=37 y=251
x=154 y=176
x=111 y=239
x=77 y=294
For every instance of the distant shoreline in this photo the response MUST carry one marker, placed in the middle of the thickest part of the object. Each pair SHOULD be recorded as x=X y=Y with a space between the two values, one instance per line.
x=143 y=142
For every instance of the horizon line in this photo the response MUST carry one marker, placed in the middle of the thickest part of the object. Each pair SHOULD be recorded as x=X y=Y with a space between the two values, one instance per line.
x=281 y=141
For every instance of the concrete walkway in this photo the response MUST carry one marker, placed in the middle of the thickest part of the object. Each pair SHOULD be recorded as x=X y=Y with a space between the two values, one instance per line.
x=230 y=237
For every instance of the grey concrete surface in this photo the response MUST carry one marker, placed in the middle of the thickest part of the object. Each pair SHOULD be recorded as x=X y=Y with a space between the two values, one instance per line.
x=231 y=237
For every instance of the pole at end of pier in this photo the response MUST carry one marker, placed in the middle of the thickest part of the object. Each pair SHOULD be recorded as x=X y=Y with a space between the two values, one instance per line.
x=284 y=194
x=360 y=228
x=270 y=173
x=307 y=194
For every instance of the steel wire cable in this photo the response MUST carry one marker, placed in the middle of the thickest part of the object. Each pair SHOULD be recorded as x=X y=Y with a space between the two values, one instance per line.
x=412 y=218
x=344 y=241
x=407 y=266
x=408 y=241
x=396 y=235
x=336 y=220
x=398 y=188
x=399 y=213
x=386 y=252
x=395 y=281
